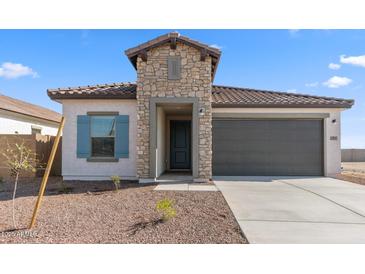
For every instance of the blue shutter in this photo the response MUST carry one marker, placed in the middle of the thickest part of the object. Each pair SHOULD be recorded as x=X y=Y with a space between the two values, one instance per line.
x=83 y=136
x=122 y=136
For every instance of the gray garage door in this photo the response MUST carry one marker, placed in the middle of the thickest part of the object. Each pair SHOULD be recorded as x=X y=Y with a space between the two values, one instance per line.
x=267 y=147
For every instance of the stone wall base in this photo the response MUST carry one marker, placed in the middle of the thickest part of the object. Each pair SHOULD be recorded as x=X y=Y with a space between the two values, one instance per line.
x=147 y=180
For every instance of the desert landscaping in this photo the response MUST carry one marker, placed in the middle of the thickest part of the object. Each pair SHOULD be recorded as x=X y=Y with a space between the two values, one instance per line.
x=353 y=172
x=94 y=212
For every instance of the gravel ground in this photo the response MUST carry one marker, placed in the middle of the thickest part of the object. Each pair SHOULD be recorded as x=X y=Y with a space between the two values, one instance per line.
x=94 y=213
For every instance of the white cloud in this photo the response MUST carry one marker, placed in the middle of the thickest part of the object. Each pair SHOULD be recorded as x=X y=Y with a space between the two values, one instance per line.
x=334 y=66
x=293 y=90
x=10 y=70
x=337 y=81
x=312 y=85
x=215 y=46
x=353 y=60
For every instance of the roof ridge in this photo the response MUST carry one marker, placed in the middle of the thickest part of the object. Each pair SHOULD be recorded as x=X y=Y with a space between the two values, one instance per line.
x=172 y=34
x=286 y=93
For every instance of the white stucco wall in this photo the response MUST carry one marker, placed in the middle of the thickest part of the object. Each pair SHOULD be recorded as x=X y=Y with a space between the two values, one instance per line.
x=74 y=168
x=161 y=142
x=332 y=148
x=13 y=123
x=79 y=169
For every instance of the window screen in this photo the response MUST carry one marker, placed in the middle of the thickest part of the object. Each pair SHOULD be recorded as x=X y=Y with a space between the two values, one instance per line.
x=102 y=134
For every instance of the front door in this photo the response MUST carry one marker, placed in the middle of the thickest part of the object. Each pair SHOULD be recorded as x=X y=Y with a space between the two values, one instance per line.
x=180 y=137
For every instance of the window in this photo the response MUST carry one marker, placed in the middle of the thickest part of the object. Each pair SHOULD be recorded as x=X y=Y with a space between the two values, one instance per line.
x=36 y=130
x=102 y=132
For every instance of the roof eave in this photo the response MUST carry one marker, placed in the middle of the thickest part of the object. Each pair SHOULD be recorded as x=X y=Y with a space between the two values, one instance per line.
x=240 y=105
x=89 y=96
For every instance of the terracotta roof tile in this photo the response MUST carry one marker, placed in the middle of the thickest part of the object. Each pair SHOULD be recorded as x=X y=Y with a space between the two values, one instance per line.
x=116 y=90
x=25 y=108
x=223 y=96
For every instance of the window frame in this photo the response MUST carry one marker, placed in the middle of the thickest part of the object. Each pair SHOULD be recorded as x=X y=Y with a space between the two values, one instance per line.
x=35 y=128
x=101 y=158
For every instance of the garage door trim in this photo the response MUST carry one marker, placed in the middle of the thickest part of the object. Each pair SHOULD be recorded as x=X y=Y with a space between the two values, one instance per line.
x=258 y=116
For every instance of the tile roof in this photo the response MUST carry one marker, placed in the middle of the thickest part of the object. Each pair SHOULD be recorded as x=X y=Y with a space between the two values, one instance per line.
x=223 y=96
x=25 y=108
x=215 y=53
x=124 y=90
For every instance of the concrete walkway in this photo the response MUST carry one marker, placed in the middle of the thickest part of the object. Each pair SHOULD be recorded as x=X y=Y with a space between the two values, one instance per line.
x=181 y=181
x=183 y=186
x=296 y=210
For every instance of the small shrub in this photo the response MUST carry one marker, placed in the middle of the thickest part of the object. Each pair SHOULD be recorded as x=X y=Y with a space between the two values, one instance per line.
x=18 y=158
x=166 y=207
x=116 y=181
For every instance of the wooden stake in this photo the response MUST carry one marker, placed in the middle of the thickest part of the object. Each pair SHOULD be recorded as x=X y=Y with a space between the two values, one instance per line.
x=46 y=173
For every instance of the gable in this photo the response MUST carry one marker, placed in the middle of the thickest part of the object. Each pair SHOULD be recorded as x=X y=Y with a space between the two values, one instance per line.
x=172 y=39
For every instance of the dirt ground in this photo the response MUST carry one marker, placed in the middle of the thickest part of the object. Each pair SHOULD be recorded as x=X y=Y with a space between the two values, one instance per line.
x=352 y=172
x=93 y=212
x=358 y=167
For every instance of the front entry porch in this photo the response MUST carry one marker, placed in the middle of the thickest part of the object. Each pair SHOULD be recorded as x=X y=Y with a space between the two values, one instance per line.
x=174 y=139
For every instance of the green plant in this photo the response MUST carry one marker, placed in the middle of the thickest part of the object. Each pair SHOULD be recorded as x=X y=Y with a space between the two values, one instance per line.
x=166 y=207
x=18 y=158
x=116 y=181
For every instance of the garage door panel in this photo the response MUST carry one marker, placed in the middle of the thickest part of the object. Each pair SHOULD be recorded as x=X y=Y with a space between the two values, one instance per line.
x=267 y=147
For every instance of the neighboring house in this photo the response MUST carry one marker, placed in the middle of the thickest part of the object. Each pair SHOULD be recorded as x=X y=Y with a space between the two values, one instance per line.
x=175 y=119
x=19 y=117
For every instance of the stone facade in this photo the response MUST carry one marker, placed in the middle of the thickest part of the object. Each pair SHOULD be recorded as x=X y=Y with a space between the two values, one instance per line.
x=195 y=81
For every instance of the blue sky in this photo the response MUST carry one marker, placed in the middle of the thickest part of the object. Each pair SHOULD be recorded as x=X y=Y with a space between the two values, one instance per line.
x=286 y=60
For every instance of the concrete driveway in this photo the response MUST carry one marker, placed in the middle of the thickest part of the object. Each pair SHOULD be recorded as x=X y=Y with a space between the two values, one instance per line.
x=296 y=209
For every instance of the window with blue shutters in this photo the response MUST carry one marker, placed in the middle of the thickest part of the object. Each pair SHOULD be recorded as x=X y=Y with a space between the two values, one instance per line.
x=102 y=136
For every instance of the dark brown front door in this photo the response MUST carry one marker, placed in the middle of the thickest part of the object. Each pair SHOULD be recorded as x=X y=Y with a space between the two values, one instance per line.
x=180 y=139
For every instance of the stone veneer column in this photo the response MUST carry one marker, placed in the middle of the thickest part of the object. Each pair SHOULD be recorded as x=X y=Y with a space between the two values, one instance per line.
x=195 y=81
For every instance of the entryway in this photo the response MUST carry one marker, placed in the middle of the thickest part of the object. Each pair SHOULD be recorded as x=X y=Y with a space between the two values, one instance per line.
x=174 y=138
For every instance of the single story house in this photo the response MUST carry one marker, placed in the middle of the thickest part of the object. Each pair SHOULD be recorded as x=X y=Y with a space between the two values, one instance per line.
x=173 y=119
x=19 y=117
